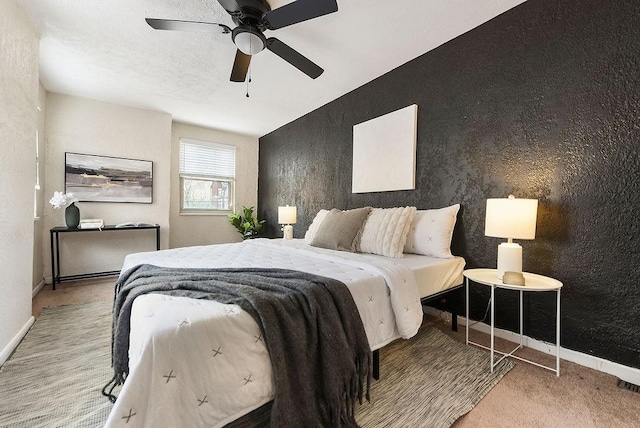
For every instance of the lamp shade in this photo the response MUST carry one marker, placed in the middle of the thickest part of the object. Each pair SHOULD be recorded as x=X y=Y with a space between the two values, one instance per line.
x=511 y=218
x=287 y=215
x=247 y=40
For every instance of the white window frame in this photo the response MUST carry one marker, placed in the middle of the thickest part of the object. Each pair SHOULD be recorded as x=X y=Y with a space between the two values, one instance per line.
x=205 y=172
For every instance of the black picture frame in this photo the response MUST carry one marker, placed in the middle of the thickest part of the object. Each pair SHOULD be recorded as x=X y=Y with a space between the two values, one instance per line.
x=94 y=178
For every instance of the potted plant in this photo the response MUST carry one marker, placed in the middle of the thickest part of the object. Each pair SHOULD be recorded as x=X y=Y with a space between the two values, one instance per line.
x=248 y=225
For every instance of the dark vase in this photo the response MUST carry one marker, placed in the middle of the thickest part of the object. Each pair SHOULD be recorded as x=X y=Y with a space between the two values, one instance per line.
x=72 y=216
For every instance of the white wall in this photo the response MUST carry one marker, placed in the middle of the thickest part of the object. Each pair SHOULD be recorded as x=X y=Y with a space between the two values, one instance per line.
x=187 y=230
x=91 y=127
x=18 y=124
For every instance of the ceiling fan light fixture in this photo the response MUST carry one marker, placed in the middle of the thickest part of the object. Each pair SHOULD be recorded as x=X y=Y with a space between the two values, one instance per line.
x=249 y=40
x=252 y=17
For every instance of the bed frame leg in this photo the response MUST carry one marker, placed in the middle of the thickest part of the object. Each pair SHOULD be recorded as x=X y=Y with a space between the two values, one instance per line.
x=454 y=318
x=376 y=364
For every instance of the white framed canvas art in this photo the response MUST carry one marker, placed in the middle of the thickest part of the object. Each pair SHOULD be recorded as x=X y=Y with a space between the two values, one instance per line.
x=384 y=152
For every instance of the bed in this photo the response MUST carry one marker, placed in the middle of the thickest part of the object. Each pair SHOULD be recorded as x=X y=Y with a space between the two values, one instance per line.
x=204 y=363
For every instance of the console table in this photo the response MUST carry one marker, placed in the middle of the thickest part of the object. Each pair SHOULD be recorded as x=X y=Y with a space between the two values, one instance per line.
x=55 y=250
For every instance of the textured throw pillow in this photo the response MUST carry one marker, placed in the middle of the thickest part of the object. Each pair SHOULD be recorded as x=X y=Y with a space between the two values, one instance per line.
x=431 y=232
x=339 y=229
x=315 y=224
x=385 y=231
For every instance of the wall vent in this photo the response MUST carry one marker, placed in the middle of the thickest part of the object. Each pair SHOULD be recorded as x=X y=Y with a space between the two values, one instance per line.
x=628 y=385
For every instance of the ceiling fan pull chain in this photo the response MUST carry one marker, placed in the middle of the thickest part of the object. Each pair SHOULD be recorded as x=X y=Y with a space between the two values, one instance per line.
x=249 y=79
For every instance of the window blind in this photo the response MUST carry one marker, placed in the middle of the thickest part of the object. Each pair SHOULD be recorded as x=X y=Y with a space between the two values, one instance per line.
x=202 y=158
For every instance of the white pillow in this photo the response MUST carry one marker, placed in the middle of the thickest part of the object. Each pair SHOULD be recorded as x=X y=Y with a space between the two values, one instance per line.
x=313 y=229
x=431 y=232
x=385 y=231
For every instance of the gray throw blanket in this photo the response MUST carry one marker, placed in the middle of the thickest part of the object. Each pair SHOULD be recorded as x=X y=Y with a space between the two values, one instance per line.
x=318 y=347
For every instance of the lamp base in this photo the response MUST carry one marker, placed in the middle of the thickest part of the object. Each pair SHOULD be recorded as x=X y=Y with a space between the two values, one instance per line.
x=287 y=232
x=509 y=258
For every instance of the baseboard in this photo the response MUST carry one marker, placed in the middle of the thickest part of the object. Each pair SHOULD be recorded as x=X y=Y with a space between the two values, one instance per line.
x=37 y=289
x=626 y=373
x=13 y=343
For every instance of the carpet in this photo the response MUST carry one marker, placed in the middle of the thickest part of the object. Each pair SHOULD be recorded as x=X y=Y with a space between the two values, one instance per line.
x=54 y=377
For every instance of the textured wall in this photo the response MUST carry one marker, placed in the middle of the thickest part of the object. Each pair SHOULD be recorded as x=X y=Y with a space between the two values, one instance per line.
x=542 y=102
x=81 y=125
x=189 y=230
x=39 y=238
x=18 y=124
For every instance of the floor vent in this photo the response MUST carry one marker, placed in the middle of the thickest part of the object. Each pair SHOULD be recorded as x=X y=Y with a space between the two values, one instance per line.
x=628 y=385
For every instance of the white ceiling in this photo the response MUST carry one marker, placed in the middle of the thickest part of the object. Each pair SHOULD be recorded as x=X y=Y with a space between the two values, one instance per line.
x=104 y=50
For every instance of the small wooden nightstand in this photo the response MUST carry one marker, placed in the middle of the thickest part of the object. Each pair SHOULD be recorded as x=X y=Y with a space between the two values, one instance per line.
x=533 y=282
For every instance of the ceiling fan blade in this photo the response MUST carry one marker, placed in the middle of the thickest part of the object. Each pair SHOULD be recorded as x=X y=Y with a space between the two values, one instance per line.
x=294 y=57
x=230 y=6
x=240 y=67
x=201 y=27
x=298 y=11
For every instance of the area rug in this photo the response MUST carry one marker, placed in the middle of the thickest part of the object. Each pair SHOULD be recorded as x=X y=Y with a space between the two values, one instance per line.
x=428 y=381
x=55 y=376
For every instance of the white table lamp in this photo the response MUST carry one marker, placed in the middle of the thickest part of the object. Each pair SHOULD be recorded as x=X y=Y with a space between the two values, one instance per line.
x=287 y=217
x=510 y=218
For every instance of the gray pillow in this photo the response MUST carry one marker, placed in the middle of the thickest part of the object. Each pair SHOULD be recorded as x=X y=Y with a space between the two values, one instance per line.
x=339 y=229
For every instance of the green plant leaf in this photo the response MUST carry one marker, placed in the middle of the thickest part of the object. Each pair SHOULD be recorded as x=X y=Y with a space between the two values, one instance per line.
x=248 y=225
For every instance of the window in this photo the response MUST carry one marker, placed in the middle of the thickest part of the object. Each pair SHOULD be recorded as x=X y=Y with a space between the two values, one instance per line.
x=207 y=176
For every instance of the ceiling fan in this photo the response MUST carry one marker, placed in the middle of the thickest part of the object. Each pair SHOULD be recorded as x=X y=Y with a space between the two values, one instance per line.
x=252 y=18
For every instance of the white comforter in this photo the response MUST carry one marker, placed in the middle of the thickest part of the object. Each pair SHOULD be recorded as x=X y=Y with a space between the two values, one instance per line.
x=197 y=363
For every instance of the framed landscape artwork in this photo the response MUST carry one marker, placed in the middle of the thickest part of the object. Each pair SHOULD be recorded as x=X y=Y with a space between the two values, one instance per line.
x=94 y=178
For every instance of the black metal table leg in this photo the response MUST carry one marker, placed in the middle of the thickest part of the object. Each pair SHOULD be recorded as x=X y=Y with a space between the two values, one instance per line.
x=53 y=266
x=55 y=232
x=376 y=364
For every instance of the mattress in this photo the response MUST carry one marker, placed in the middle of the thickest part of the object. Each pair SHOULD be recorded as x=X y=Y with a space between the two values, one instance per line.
x=434 y=275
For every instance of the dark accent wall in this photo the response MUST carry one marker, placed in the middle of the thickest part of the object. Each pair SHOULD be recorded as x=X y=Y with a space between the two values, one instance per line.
x=542 y=102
